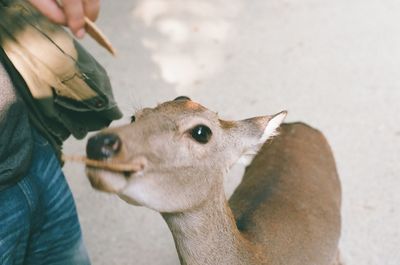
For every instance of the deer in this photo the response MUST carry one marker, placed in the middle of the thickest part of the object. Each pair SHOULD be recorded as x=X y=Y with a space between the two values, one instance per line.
x=286 y=210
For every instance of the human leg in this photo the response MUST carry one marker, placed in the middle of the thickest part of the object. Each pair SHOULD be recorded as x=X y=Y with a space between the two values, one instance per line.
x=17 y=204
x=56 y=237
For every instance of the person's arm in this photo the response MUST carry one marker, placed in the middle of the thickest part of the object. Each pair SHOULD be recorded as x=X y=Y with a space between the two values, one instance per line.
x=71 y=13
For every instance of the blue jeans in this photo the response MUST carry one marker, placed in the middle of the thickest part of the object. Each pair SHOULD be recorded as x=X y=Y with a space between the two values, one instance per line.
x=38 y=218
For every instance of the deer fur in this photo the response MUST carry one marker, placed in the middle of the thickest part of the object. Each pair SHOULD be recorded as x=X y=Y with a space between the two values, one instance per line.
x=286 y=211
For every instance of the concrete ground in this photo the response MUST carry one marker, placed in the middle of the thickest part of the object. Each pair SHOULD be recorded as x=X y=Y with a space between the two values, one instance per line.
x=332 y=64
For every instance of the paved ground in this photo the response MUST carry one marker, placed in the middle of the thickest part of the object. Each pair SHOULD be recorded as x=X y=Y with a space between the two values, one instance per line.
x=332 y=64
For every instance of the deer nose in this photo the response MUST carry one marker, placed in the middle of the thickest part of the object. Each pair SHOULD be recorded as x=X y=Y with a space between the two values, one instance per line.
x=103 y=146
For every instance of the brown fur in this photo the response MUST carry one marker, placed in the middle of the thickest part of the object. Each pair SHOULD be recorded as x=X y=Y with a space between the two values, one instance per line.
x=289 y=199
x=286 y=211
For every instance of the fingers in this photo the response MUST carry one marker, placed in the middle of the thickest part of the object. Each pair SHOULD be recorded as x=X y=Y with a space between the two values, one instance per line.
x=91 y=9
x=50 y=9
x=74 y=12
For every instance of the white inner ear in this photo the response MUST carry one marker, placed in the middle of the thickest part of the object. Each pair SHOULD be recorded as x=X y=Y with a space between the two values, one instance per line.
x=272 y=125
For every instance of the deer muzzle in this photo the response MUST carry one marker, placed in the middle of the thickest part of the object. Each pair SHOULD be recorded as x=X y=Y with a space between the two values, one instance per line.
x=103 y=146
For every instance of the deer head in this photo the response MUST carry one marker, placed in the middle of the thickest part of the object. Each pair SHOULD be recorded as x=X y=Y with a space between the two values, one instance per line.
x=180 y=151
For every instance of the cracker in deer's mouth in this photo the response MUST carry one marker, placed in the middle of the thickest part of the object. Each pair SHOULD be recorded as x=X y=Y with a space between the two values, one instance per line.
x=110 y=165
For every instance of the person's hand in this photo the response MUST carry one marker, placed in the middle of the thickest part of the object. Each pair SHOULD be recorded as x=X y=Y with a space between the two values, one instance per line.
x=71 y=12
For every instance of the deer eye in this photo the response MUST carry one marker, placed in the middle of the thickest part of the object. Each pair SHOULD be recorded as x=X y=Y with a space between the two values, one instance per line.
x=201 y=134
x=133 y=118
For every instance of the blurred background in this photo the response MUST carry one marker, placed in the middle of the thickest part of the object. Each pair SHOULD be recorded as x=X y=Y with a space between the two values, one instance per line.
x=333 y=64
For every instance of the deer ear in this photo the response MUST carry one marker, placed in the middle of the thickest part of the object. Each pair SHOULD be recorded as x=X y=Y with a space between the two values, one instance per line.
x=260 y=130
x=271 y=127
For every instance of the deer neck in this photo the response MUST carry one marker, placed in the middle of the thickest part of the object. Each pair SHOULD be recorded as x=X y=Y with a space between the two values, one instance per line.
x=208 y=235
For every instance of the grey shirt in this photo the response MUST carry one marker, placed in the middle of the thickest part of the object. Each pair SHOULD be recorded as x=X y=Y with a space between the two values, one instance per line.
x=16 y=141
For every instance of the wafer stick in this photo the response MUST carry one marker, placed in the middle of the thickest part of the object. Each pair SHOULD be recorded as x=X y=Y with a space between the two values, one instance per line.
x=96 y=33
x=108 y=165
x=98 y=36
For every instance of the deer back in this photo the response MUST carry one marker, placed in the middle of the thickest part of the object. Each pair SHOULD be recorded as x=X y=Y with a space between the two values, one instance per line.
x=289 y=200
